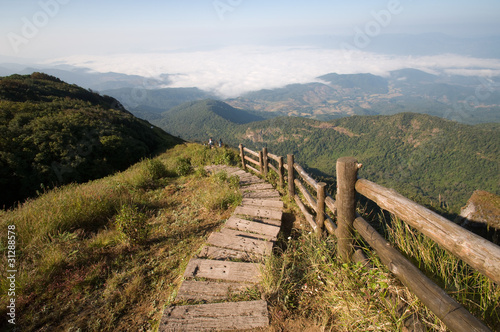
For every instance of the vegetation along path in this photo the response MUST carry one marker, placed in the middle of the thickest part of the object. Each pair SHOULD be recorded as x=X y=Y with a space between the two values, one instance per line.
x=229 y=264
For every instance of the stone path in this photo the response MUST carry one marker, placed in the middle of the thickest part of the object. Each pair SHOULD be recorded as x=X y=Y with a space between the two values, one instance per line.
x=230 y=263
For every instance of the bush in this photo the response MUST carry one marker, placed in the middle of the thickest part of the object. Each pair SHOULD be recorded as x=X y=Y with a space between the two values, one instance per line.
x=133 y=224
x=156 y=169
x=183 y=166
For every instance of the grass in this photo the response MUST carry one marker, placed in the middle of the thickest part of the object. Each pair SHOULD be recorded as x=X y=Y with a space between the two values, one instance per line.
x=306 y=282
x=109 y=254
x=479 y=295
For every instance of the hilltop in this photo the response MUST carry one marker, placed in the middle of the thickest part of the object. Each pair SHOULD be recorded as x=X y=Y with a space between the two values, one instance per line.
x=54 y=133
x=200 y=120
x=435 y=161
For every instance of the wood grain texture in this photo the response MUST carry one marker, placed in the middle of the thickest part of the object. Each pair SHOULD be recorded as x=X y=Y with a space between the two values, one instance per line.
x=218 y=253
x=194 y=290
x=476 y=251
x=253 y=227
x=258 y=212
x=223 y=270
x=215 y=317
x=266 y=203
x=242 y=241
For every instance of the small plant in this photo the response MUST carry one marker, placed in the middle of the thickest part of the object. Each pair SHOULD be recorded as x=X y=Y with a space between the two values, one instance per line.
x=156 y=169
x=183 y=166
x=133 y=224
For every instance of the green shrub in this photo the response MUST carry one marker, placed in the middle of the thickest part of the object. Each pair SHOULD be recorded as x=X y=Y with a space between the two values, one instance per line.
x=133 y=224
x=183 y=166
x=156 y=169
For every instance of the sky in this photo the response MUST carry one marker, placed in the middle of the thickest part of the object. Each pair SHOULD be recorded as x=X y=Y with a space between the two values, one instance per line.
x=262 y=43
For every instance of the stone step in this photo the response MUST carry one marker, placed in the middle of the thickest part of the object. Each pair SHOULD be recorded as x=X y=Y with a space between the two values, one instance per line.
x=262 y=202
x=194 y=290
x=261 y=194
x=253 y=244
x=219 y=253
x=255 y=187
x=258 y=212
x=253 y=227
x=223 y=270
x=215 y=317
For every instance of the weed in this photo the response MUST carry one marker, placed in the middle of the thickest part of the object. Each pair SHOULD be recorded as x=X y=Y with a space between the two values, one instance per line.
x=183 y=166
x=133 y=224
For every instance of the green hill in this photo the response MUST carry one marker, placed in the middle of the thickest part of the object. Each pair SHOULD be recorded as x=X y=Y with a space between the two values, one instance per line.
x=150 y=103
x=434 y=161
x=424 y=157
x=200 y=120
x=53 y=133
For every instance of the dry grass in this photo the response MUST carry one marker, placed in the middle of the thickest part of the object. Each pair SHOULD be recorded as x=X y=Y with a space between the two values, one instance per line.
x=78 y=271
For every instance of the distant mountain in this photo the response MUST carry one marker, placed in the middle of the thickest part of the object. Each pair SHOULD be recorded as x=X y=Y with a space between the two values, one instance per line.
x=150 y=103
x=410 y=75
x=463 y=99
x=201 y=120
x=426 y=158
x=368 y=83
x=54 y=133
x=88 y=78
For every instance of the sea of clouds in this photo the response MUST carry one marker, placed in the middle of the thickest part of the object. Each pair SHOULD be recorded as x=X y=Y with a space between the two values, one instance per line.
x=232 y=71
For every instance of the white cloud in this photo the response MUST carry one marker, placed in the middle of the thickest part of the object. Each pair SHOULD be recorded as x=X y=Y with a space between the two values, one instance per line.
x=235 y=70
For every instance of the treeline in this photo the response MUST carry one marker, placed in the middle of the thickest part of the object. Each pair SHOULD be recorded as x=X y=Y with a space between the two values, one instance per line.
x=431 y=160
x=53 y=133
x=436 y=162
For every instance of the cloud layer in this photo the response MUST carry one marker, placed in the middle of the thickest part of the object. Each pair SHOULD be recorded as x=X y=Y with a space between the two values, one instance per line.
x=229 y=72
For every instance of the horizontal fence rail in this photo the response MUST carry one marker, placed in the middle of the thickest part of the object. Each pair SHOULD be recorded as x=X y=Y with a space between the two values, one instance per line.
x=313 y=201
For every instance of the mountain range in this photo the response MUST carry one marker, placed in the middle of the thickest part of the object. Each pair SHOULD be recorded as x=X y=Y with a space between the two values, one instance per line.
x=395 y=125
x=425 y=157
x=463 y=99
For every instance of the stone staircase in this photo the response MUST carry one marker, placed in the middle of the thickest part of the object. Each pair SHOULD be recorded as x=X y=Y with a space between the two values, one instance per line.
x=229 y=264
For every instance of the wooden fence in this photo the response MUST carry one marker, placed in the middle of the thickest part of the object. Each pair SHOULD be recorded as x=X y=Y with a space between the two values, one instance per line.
x=482 y=255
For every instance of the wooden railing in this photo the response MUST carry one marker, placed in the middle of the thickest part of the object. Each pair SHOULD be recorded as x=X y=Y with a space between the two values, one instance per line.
x=482 y=255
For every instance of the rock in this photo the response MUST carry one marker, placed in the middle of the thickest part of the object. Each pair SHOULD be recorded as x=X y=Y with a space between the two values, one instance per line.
x=482 y=209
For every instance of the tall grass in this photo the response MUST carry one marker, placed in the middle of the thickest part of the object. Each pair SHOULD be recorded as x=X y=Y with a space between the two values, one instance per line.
x=307 y=279
x=476 y=292
x=108 y=254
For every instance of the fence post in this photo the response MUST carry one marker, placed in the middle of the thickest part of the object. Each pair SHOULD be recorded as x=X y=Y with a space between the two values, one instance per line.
x=320 y=217
x=261 y=163
x=347 y=171
x=242 y=155
x=266 y=161
x=281 y=171
x=291 y=177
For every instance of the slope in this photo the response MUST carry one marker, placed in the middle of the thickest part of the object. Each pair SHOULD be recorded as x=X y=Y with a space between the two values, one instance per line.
x=54 y=133
x=200 y=120
x=424 y=157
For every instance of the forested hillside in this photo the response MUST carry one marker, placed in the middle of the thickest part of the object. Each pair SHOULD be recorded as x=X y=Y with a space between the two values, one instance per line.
x=200 y=120
x=53 y=133
x=426 y=158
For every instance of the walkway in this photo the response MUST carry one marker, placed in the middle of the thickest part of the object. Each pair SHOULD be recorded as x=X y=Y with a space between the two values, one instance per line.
x=230 y=263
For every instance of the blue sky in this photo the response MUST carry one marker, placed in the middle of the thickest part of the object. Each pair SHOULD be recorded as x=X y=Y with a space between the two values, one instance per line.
x=234 y=46
x=109 y=26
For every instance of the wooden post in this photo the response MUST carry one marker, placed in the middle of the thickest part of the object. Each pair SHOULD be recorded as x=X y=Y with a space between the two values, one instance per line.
x=347 y=171
x=281 y=171
x=242 y=155
x=291 y=177
x=320 y=210
x=261 y=163
x=266 y=161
